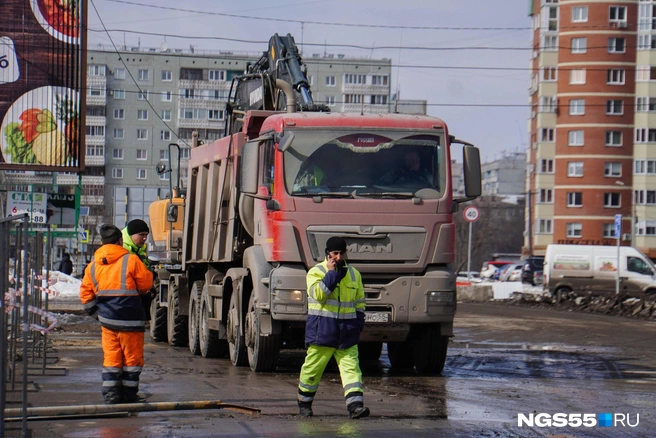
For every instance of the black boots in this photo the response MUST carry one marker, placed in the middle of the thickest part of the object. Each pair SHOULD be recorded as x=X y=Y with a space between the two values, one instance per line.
x=358 y=411
x=305 y=409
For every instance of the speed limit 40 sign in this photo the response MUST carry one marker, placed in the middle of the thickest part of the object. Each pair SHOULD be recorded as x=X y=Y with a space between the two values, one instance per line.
x=471 y=213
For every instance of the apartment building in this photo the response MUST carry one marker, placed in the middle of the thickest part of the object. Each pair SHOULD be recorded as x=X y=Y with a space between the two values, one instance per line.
x=592 y=153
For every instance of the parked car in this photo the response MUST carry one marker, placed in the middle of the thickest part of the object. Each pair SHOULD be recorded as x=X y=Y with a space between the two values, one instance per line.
x=508 y=271
x=489 y=269
x=532 y=265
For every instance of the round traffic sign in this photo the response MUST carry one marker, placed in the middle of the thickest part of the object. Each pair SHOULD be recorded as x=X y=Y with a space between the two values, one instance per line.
x=471 y=213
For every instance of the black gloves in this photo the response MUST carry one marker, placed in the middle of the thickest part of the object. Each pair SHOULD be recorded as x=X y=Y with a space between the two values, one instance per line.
x=360 y=316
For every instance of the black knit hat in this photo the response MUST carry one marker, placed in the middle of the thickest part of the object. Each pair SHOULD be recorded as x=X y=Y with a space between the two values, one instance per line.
x=335 y=243
x=109 y=234
x=137 y=226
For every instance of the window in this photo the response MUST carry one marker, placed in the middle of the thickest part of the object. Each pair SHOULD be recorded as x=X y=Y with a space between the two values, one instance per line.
x=574 y=199
x=379 y=80
x=617 y=13
x=166 y=96
x=96 y=90
x=353 y=98
x=330 y=81
x=217 y=94
x=646 y=42
x=579 y=14
x=544 y=226
x=612 y=200
x=615 y=107
x=119 y=94
x=615 y=76
x=142 y=114
x=645 y=197
x=96 y=70
x=550 y=43
x=330 y=100
x=613 y=138
x=574 y=229
x=616 y=45
x=185 y=153
x=546 y=166
x=188 y=93
x=549 y=74
x=644 y=104
x=553 y=18
x=166 y=115
x=95 y=150
x=117 y=173
x=613 y=169
x=142 y=134
x=609 y=231
x=119 y=73
x=645 y=167
x=378 y=99
x=119 y=114
x=547 y=134
x=141 y=173
x=350 y=78
x=577 y=76
x=142 y=74
x=118 y=133
x=545 y=196
x=117 y=153
x=575 y=168
x=193 y=113
x=575 y=138
x=165 y=176
x=167 y=75
x=142 y=154
x=164 y=155
x=579 y=45
x=548 y=104
x=217 y=75
x=215 y=114
x=576 y=107
x=95 y=130
x=165 y=135
x=142 y=95
x=644 y=135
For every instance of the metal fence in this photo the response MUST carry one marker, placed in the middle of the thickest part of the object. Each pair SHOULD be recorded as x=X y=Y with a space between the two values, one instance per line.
x=24 y=317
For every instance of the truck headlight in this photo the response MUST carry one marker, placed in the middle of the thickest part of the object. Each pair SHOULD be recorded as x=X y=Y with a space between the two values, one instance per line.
x=289 y=295
x=441 y=297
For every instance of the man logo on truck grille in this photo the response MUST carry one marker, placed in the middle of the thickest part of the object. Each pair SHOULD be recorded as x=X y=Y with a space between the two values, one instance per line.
x=369 y=248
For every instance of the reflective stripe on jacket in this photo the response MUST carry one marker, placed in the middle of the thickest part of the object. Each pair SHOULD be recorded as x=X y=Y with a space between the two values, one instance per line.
x=335 y=318
x=112 y=283
x=140 y=252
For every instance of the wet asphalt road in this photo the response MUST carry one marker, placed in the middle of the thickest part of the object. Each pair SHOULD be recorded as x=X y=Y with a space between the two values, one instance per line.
x=503 y=361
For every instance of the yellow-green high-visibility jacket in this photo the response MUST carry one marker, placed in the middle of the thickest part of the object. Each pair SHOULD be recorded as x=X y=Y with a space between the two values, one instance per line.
x=335 y=307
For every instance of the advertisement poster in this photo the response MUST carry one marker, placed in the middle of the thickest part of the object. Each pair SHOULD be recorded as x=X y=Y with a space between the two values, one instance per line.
x=34 y=204
x=42 y=73
x=572 y=262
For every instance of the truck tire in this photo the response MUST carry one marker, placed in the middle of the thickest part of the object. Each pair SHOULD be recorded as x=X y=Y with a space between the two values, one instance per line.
x=400 y=355
x=429 y=348
x=194 y=317
x=236 y=345
x=210 y=344
x=176 y=323
x=263 y=351
x=157 y=320
x=370 y=350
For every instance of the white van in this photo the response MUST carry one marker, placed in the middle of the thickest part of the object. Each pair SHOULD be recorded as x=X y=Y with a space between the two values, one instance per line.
x=589 y=268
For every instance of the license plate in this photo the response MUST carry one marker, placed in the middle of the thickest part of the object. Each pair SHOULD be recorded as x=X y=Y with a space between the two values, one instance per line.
x=376 y=317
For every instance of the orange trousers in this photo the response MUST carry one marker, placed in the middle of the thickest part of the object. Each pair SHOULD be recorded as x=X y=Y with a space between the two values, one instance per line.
x=122 y=365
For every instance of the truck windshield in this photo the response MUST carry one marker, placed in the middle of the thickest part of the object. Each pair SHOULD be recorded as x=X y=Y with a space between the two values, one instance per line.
x=392 y=164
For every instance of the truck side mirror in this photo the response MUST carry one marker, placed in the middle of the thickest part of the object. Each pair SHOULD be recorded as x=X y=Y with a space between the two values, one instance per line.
x=172 y=213
x=250 y=163
x=471 y=169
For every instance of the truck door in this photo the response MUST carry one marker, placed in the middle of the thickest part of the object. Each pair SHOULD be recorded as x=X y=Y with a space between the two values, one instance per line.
x=638 y=276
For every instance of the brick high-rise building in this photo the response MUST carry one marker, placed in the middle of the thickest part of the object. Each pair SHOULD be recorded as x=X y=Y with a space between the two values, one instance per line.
x=592 y=153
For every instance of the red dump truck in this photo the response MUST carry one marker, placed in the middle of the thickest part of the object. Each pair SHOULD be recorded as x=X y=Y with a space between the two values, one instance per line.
x=235 y=245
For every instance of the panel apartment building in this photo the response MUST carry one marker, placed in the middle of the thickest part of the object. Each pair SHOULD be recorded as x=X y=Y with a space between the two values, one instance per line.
x=592 y=153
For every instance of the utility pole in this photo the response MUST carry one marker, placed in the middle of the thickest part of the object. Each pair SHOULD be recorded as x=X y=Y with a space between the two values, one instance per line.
x=530 y=223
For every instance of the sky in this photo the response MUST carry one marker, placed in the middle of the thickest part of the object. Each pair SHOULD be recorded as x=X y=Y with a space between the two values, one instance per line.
x=469 y=59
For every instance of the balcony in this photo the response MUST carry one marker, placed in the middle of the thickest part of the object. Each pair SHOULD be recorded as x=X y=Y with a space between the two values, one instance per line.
x=96 y=100
x=96 y=121
x=95 y=140
x=200 y=123
x=365 y=89
x=92 y=200
x=203 y=85
x=366 y=108
x=94 y=160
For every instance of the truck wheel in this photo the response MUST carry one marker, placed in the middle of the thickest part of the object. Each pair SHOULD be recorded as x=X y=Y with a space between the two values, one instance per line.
x=236 y=345
x=175 y=322
x=400 y=354
x=210 y=344
x=263 y=351
x=562 y=292
x=429 y=349
x=370 y=350
x=157 y=320
x=194 y=319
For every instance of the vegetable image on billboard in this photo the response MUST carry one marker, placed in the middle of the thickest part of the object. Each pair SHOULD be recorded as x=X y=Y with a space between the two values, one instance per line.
x=60 y=18
x=41 y=127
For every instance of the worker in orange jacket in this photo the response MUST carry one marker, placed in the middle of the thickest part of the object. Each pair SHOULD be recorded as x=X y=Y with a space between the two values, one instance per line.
x=112 y=286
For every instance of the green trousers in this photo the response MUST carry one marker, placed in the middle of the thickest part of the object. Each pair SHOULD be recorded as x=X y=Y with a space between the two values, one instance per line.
x=349 y=369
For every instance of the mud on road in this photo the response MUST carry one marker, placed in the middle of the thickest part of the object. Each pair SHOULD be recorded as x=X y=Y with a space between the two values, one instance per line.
x=504 y=360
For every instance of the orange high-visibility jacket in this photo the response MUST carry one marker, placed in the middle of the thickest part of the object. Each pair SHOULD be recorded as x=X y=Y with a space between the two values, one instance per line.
x=112 y=284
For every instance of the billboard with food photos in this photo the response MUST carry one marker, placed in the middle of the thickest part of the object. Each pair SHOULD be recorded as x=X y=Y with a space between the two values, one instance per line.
x=42 y=84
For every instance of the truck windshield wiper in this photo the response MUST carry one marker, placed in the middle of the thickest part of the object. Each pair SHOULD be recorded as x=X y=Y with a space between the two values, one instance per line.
x=324 y=194
x=386 y=194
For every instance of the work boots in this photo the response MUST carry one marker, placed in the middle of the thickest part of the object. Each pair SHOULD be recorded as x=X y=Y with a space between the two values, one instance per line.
x=305 y=409
x=358 y=411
